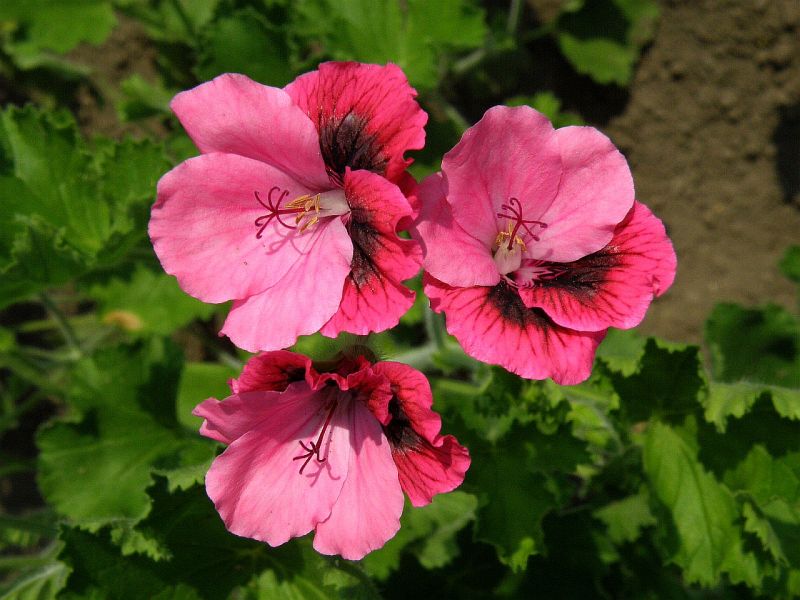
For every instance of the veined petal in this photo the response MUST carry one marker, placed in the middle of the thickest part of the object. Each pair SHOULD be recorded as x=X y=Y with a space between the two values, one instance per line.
x=595 y=194
x=451 y=254
x=234 y=114
x=366 y=116
x=255 y=484
x=367 y=513
x=203 y=226
x=230 y=419
x=426 y=469
x=302 y=301
x=612 y=287
x=494 y=326
x=509 y=153
x=427 y=463
x=374 y=298
x=272 y=371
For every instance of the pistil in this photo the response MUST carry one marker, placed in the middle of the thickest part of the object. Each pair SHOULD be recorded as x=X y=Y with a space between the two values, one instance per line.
x=314 y=449
x=307 y=209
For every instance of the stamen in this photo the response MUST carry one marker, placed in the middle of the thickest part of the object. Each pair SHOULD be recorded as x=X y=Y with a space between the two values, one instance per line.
x=516 y=221
x=314 y=448
x=299 y=206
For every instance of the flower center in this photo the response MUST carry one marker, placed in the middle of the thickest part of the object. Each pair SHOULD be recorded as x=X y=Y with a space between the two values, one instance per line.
x=513 y=212
x=314 y=449
x=509 y=244
x=307 y=209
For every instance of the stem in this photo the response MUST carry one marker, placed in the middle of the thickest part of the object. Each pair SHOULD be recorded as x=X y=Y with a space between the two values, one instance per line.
x=420 y=358
x=434 y=327
x=355 y=570
x=514 y=12
x=63 y=325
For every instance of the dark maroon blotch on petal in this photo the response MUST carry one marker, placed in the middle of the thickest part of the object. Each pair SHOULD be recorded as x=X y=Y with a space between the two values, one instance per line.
x=507 y=301
x=345 y=142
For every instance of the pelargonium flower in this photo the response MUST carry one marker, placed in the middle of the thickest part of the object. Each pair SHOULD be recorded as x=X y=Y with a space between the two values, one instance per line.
x=330 y=451
x=293 y=207
x=534 y=245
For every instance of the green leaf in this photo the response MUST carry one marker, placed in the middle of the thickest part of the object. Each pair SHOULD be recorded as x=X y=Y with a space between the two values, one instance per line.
x=428 y=531
x=790 y=263
x=43 y=583
x=626 y=518
x=414 y=34
x=604 y=38
x=726 y=400
x=669 y=382
x=97 y=470
x=149 y=303
x=622 y=350
x=142 y=99
x=70 y=209
x=244 y=42
x=703 y=510
x=514 y=498
x=59 y=25
x=736 y=335
x=198 y=382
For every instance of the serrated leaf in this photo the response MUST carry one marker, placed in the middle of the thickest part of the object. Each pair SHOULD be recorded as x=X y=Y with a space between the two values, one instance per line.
x=69 y=209
x=734 y=400
x=669 y=382
x=626 y=518
x=97 y=470
x=60 y=25
x=148 y=303
x=622 y=350
x=702 y=509
x=198 y=382
x=736 y=335
x=429 y=532
x=514 y=499
x=548 y=104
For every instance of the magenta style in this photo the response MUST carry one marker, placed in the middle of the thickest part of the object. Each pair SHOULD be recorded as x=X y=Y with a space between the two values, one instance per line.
x=329 y=449
x=534 y=244
x=292 y=210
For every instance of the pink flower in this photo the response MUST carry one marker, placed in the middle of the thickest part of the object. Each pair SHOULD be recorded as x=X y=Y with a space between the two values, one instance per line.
x=331 y=452
x=293 y=207
x=551 y=247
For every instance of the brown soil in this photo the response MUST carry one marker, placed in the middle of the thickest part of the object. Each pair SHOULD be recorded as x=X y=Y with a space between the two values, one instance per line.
x=712 y=133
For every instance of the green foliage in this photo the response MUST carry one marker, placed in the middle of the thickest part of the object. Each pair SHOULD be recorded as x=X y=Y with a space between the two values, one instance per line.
x=416 y=34
x=74 y=207
x=603 y=38
x=655 y=478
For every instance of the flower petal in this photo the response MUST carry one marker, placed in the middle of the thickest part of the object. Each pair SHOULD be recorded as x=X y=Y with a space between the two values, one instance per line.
x=272 y=371
x=411 y=390
x=367 y=513
x=442 y=239
x=302 y=301
x=426 y=469
x=595 y=194
x=612 y=287
x=494 y=326
x=234 y=114
x=366 y=116
x=203 y=226
x=374 y=298
x=509 y=153
x=255 y=484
